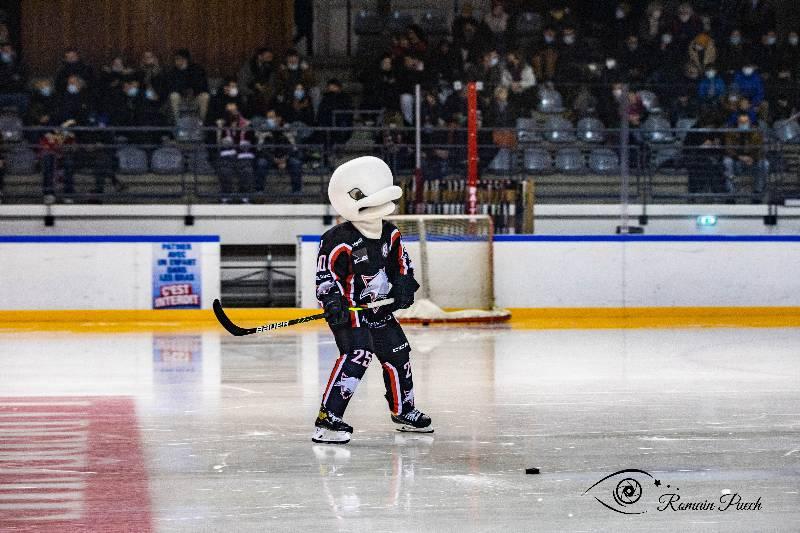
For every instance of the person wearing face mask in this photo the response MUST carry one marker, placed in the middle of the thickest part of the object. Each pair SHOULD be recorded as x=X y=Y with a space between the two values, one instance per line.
x=623 y=23
x=187 y=84
x=790 y=54
x=518 y=77
x=750 y=84
x=767 y=55
x=127 y=107
x=571 y=60
x=756 y=17
x=686 y=26
x=75 y=103
x=332 y=101
x=711 y=88
x=545 y=57
x=702 y=53
x=257 y=78
x=633 y=60
x=381 y=86
x=235 y=141
x=746 y=155
x=12 y=80
x=276 y=151
x=42 y=107
x=226 y=94
x=299 y=108
x=73 y=65
x=490 y=72
x=664 y=64
x=653 y=25
x=294 y=70
x=732 y=55
x=497 y=22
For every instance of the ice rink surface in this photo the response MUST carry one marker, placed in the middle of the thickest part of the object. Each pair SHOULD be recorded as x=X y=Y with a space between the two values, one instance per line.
x=205 y=432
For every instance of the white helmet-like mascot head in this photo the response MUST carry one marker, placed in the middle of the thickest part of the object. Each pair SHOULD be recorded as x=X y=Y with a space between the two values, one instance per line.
x=363 y=192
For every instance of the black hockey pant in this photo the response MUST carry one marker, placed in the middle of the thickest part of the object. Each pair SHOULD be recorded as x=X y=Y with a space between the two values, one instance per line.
x=357 y=347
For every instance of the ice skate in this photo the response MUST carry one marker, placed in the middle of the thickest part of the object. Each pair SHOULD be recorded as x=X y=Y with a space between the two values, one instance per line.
x=330 y=429
x=414 y=421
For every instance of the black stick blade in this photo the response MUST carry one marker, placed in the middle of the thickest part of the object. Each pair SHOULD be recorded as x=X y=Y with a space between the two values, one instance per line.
x=226 y=322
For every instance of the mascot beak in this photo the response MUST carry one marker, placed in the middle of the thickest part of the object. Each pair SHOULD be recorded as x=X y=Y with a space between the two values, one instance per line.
x=376 y=204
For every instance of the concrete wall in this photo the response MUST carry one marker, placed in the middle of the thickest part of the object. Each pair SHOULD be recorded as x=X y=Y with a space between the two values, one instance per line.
x=94 y=273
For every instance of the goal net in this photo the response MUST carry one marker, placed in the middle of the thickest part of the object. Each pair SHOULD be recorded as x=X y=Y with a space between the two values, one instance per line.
x=453 y=262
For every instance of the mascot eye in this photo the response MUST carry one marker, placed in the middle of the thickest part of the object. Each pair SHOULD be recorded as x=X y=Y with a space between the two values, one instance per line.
x=356 y=194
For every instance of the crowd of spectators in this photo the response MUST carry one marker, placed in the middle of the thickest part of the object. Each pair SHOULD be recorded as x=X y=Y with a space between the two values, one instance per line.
x=711 y=57
x=708 y=62
x=245 y=115
x=712 y=61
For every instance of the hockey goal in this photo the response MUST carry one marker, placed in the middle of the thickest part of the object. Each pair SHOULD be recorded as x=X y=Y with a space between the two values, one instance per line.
x=453 y=261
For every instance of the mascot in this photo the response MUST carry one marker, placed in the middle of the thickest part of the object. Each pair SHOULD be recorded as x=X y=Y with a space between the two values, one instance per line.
x=360 y=261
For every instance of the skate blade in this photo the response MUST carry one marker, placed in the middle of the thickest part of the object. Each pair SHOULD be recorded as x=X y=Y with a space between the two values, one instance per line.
x=411 y=429
x=326 y=436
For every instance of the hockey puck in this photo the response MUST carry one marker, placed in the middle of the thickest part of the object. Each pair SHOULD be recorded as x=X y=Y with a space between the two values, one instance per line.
x=532 y=470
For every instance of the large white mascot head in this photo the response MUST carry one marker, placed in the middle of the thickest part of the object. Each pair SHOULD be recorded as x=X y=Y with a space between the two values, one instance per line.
x=362 y=191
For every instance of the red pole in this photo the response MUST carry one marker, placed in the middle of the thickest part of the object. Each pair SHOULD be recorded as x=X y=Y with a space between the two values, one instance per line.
x=472 y=149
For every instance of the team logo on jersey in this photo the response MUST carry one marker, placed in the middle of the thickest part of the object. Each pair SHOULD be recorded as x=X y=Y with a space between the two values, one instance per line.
x=325 y=288
x=359 y=256
x=385 y=250
x=376 y=287
x=347 y=385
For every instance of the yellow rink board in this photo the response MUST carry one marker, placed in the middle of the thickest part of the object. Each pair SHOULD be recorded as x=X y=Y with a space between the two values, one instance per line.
x=523 y=318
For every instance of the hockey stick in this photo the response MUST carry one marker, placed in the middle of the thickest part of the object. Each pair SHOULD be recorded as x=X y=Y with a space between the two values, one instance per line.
x=238 y=331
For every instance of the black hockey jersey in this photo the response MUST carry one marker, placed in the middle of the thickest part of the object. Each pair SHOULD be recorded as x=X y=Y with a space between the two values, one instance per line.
x=361 y=269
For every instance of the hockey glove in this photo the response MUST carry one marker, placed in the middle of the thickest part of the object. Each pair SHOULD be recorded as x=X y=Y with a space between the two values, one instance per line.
x=336 y=312
x=403 y=291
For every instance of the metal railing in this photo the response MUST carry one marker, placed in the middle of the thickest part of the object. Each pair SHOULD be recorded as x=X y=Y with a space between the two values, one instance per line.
x=132 y=165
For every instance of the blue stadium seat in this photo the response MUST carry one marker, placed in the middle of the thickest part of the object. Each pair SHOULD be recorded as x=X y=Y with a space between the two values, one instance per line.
x=526 y=131
x=787 y=131
x=591 y=130
x=21 y=161
x=537 y=160
x=11 y=127
x=570 y=161
x=604 y=161
x=434 y=23
x=683 y=125
x=132 y=160
x=367 y=23
x=550 y=101
x=188 y=128
x=398 y=21
x=656 y=129
x=559 y=130
x=167 y=160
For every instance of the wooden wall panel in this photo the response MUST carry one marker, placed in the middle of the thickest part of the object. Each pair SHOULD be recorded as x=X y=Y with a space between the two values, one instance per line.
x=219 y=33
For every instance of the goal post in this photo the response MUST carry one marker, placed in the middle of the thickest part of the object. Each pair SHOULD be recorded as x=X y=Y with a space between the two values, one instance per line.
x=453 y=259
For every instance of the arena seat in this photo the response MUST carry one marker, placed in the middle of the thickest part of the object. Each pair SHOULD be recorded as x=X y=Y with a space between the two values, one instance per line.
x=434 y=23
x=167 y=160
x=21 y=161
x=603 y=161
x=657 y=129
x=591 y=130
x=132 y=160
x=570 y=161
x=559 y=130
x=537 y=160
x=526 y=131
x=398 y=21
